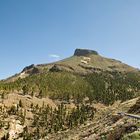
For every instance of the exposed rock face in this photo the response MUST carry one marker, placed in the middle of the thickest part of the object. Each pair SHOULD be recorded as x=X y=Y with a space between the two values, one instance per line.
x=15 y=129
x=28 y=67
x=135 y=108
x=32 y=69
x=84 y=52
x=55 y=68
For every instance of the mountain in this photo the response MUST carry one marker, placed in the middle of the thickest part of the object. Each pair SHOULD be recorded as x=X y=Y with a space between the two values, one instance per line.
x=77 y=98
x=83 y=62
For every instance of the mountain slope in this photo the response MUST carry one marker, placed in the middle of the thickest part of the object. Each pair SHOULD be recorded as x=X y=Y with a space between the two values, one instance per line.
x=69 y=97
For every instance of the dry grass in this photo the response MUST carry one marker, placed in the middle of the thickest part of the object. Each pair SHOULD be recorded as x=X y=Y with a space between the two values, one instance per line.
x=14 y=98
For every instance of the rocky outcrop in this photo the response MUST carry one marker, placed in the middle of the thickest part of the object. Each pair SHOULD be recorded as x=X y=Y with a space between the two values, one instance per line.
x=60 y=67
x=55 y=68
x=32 y=69
x=84 y=52
x=15 y=129
x=135 y=108
x=28 y=68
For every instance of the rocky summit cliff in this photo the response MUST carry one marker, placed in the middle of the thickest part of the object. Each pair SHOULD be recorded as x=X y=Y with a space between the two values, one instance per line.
x=83 y=97
x=84 y=52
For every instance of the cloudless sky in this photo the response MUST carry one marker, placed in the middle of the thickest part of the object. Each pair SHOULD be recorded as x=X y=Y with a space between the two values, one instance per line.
x=41 y=31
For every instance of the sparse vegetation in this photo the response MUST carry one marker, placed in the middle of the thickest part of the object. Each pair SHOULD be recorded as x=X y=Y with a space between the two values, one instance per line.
x=131 y=136
x=104 y=87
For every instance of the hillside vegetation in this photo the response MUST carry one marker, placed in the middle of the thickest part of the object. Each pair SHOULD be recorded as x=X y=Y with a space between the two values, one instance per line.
x=104 y=87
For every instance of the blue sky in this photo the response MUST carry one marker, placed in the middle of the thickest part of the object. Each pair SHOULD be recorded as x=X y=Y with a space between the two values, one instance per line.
x=41 y=31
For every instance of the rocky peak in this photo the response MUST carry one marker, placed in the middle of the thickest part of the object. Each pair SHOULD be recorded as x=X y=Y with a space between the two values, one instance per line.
x=84 y=52
x=31 y=69
x=28 y=68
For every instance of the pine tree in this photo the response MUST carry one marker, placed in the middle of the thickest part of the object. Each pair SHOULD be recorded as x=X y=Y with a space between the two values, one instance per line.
x=25 y=90
x=20 y=103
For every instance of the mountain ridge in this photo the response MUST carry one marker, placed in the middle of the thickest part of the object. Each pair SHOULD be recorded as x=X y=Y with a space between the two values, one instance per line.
x=83 y=61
